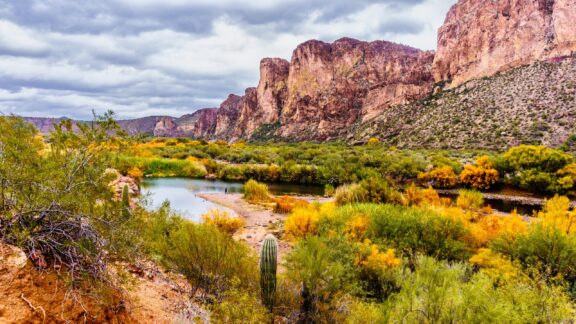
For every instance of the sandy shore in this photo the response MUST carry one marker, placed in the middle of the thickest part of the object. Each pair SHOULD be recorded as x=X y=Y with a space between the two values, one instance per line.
x=259 y=219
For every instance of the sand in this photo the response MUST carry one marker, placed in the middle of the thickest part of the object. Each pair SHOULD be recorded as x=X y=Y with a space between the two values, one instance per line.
x=260 y=220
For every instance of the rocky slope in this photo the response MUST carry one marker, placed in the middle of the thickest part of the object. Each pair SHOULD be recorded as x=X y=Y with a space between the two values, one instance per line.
x=341 y=90
x=532 y=104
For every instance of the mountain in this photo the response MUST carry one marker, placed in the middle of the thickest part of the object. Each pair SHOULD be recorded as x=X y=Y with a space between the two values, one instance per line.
x=200 y=124
x=502 y=67
x=481 y=38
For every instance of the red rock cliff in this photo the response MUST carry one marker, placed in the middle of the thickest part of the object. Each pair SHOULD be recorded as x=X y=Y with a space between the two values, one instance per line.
x=480 y=37
x=326 y=88
x=332 y=86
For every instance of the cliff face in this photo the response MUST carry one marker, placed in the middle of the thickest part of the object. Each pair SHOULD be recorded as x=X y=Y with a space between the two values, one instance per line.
x=481 y=38
x=332 y=86
x=239 y=117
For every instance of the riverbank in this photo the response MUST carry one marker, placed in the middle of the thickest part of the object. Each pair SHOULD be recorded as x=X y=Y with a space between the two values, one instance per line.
x=507 y=198
x=259 y=220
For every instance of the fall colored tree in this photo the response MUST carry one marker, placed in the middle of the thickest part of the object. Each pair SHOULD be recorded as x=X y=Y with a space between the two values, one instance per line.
x=440 y=177
x=481 y=175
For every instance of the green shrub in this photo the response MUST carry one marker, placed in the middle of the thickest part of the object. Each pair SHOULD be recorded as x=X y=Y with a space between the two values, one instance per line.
x=470 y=199
x=545 y=249
x=256 y=192
x=438 y=292
x=379 y=191
x=350 y=194
x=210 y=259
x=414 y=231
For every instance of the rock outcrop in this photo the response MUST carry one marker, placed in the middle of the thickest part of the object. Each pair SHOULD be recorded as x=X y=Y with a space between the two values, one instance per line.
x=326 y=88
x=481 y=38
x=332 y=86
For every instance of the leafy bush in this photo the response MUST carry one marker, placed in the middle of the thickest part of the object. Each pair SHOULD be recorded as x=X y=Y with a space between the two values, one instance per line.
x=481 y=175
x=210 y=259
x=48 y=197
x=379 y=191
x=223 y=221
x=350 y=194
x=412 y=231
x=256 y=192
x=440 y=177
x=437 y=292
x=538 y=158
x=470 y=199
x=546 y=249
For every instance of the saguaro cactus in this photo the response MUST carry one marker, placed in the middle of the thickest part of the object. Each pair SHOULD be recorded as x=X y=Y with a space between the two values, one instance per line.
x=125 y=202
x=268 y=265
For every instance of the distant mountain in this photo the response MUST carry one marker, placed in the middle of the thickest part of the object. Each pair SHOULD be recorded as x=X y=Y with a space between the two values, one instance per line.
x=507 y=66
x=199 y=124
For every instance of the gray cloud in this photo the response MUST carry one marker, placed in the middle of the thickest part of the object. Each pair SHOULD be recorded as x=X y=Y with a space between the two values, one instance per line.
x=142 y=57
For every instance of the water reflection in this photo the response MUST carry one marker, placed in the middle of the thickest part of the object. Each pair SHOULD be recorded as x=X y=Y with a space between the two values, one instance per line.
x=181 y=193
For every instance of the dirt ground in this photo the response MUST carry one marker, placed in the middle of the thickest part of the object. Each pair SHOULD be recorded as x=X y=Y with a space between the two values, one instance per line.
x=147 y=295
x=260 y=220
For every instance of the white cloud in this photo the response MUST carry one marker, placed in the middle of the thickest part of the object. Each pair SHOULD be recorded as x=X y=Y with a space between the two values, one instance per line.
x=17 y=40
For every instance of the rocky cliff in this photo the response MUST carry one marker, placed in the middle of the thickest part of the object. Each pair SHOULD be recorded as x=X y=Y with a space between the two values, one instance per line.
x=332 y=86
x=481 y=38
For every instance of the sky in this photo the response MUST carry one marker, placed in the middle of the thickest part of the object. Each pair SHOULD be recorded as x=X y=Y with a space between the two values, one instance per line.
x=67 y=58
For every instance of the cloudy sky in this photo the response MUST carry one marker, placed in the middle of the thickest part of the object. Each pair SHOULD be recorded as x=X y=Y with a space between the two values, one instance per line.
x=171 y=57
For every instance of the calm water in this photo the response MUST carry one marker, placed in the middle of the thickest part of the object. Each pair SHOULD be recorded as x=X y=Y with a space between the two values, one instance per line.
x=181 y=193
x=506 y=206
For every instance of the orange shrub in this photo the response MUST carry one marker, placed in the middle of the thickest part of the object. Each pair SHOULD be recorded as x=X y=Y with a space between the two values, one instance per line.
x=223 y=221
x=418 y=197
x=440 y=177
x=481 y=175
x=286 y=204
x=135 y=173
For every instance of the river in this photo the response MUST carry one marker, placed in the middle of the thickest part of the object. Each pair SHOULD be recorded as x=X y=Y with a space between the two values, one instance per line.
x=181 y=193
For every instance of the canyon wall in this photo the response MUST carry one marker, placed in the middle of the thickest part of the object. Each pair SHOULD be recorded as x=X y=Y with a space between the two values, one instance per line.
x=481 y=38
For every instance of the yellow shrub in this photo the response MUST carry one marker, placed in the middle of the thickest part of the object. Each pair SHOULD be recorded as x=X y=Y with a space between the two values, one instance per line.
x=373 y=142
x=356 y=227
x=440 y=177
x=223 y=221
x=372 y=259
x=481 y=175
x=256 y=192
x=302 y=222
x=495 y=265
x=135 y=173
x=557 y=213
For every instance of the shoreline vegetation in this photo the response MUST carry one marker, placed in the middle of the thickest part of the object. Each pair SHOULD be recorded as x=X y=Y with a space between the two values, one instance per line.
x=385 y=248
